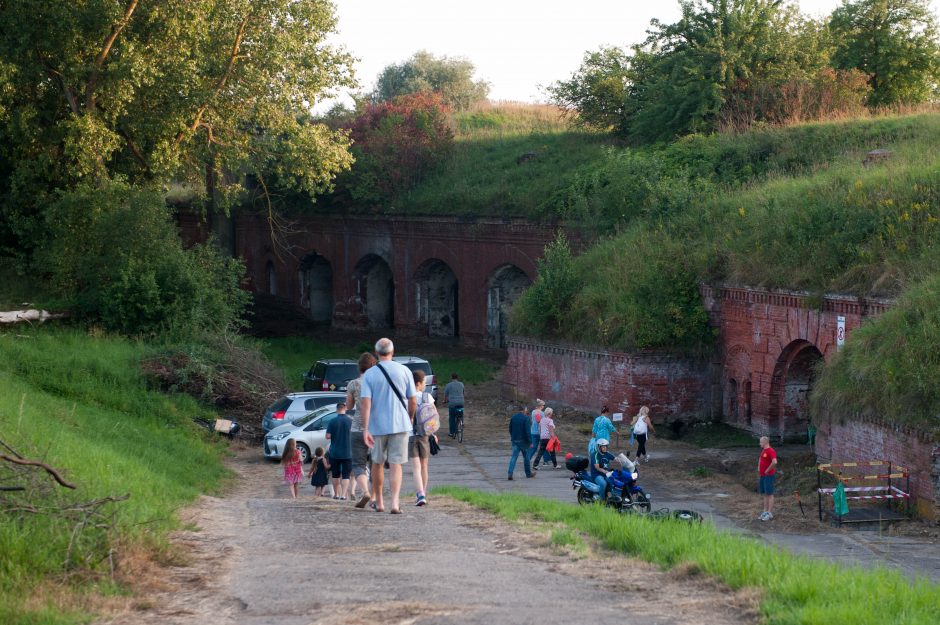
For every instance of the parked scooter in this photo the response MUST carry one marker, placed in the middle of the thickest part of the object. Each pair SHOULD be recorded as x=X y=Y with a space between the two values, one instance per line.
x=628 y=497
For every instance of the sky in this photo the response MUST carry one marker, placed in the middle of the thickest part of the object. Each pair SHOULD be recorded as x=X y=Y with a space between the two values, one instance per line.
x=516 y=45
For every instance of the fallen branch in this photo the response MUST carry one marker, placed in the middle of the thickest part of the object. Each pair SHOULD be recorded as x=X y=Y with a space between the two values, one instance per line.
x=36 y=463
x=19 y=316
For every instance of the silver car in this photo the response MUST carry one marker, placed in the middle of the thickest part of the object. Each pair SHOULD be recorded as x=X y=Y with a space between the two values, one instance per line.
x=296 y=405
x=309 y=431
x=417 y=363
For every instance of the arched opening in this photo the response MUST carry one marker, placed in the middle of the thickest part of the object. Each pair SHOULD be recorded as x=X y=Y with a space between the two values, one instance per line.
x=505 y=286
x=316 y=288
x=733 y=400
x=792 y=383
x=436 y=299
x=272 y=278
x=376 y=290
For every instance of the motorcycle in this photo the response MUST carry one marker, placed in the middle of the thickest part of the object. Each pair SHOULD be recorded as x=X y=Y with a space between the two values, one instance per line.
x=629 y=498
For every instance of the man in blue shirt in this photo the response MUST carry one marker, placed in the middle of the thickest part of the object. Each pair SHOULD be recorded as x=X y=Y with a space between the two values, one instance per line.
x=388 y=404
x=519 y=426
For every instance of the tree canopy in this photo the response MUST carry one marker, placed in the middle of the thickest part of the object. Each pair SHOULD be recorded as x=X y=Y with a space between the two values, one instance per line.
x=169 y=89
x=452 y=78
x=895 y=42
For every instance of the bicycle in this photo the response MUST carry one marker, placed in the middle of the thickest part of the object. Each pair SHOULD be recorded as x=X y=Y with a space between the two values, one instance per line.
x=459 y=416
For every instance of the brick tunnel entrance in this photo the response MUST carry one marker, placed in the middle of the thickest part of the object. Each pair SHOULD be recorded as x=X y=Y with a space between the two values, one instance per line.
x=316 y=284
x=436 y=299
x=505 y=286
x=376 y=291
x=792 y=383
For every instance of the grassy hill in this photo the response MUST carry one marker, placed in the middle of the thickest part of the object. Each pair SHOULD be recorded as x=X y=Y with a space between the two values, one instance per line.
x=78 y=403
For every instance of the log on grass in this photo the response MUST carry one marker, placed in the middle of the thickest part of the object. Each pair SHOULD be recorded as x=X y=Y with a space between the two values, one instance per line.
x=19 y=316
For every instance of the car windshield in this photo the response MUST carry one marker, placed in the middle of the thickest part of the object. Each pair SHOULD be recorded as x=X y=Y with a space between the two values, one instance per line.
x=310 y=416
x=341 y=373
x=419 y=366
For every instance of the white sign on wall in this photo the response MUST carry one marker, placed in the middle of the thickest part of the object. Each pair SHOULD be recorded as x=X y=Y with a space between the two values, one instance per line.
x=840 y=332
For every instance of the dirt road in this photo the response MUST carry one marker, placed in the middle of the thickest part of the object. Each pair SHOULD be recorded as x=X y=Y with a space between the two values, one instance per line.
x=260 y=557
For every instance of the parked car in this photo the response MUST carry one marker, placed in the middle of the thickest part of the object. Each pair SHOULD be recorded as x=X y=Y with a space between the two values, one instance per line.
x=415 y=363
x=309 y=431
x=330 y=374
x=295 y=405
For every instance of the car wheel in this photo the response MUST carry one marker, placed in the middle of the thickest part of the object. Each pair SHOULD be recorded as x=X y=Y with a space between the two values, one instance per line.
x=304 y=452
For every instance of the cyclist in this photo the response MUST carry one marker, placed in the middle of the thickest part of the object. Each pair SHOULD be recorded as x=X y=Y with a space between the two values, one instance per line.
x=453 y=399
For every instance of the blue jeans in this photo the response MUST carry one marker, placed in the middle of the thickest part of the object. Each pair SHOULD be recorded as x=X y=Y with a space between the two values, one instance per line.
x=601 y=481
x=452 y=410
x=516 y=450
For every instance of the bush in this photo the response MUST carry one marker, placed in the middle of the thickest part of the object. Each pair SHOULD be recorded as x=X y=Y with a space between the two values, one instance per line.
x=891 y=365
x=115 y=254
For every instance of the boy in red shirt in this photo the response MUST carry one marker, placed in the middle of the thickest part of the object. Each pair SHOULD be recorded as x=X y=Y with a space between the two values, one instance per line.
x=766 y=469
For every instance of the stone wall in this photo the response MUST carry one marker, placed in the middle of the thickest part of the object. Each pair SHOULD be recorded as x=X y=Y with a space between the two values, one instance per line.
x=874 y=439
x=677 y=389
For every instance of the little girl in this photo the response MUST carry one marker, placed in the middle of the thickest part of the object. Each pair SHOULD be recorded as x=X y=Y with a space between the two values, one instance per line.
x=318 y=472
x=293 y=466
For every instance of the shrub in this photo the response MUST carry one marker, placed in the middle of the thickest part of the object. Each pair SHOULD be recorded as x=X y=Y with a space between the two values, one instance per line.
x=115 y=254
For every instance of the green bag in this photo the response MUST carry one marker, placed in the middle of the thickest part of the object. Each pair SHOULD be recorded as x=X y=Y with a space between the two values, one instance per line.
x=841 y=504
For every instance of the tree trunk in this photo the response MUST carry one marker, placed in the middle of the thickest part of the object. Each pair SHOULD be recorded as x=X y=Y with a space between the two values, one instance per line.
x=18 y=316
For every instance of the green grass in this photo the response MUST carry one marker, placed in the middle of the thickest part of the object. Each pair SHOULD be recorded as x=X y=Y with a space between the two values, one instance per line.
x=718 y=436
x=294 y=356
x=78 y=403
x=795 y=590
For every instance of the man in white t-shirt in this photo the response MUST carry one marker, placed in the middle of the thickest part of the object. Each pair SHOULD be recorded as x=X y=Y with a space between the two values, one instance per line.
x=387 y=420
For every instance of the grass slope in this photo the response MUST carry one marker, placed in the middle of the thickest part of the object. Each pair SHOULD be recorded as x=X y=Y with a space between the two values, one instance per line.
x=795 y=590
x=78 y=403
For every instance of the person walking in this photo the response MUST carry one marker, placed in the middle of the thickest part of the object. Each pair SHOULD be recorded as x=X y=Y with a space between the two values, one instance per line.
x=419 y=444
x=642 y=427
x=338 y=433
x=319 y=472
x=546 y=432
x=388 y=400
x=360 y=453
x=766 y=471
x=293 y=466
x=520 y=425
x=453 y=399
x=534 y=430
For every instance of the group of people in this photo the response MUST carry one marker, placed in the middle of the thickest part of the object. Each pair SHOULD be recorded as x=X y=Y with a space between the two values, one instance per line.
x=394 y=424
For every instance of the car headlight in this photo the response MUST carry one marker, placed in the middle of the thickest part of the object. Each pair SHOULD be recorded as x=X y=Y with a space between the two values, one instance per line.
x=279 y=437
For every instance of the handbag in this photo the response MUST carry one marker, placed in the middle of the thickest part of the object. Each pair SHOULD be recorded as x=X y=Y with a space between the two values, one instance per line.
x=432 y=441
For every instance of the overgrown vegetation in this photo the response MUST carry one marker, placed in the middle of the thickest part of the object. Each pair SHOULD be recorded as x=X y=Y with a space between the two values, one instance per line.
x=795 y=590
x=78 y=402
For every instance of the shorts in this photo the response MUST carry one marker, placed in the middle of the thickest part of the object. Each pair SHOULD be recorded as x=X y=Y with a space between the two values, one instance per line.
x=391 y=448
x=765 y=485
x=340 y=468
x=419 y=447
x=360 y=469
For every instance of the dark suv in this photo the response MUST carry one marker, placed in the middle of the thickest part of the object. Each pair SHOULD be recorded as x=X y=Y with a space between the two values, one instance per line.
x=330 y=374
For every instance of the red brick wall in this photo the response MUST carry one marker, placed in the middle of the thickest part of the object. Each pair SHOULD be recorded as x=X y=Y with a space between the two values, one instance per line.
x=918 y=452
x=675 y=388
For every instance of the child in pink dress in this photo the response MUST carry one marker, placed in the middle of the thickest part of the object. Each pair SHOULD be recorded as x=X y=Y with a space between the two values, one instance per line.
x=293 y=466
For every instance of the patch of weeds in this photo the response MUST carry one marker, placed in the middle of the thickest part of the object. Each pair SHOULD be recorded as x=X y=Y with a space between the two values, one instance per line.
x=700 y=472
x=718 y=436
x=564 y=537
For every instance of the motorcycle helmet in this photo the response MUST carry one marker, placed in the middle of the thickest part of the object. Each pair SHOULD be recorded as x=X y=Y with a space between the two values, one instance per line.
x=602 y=442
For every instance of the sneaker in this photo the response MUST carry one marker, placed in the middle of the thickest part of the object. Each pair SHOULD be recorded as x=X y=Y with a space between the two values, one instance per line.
x=509 y=478
x=336 y=497
x=421 y=501
x=342 y=499
x=770 y=516
x=763 y=516
x=531 y=475
x=557 y=466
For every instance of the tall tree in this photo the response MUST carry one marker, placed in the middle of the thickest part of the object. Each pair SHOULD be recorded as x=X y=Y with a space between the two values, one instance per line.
x=452 y=78
x=599 y=91
x=895 y=42
x=147 y=92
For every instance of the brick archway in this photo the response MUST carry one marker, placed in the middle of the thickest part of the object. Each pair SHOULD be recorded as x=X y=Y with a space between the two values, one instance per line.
x=791 y=384
x=375 y=291
x=316 y=288
x=437 y=301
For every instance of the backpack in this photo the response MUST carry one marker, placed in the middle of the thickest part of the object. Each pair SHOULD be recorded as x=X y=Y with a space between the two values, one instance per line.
x=427 y=416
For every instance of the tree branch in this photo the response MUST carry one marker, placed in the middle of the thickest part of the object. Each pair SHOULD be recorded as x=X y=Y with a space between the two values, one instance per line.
x=233 y=57
x=36 y=463
x=103 y=54
x=57 y=75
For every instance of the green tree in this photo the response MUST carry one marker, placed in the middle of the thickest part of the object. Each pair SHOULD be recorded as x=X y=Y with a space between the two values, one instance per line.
x=452 y=78
x=152 y=91
x=685 y=72
x=895 y=42
x=599 y=91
